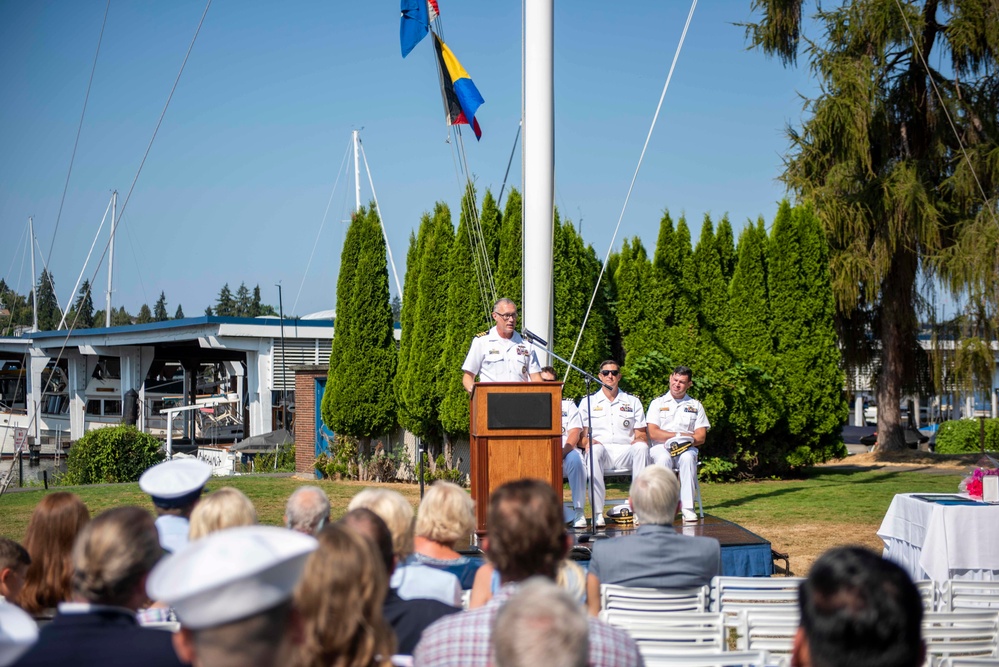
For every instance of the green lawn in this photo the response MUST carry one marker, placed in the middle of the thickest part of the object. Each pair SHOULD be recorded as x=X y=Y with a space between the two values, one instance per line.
x=825 y=496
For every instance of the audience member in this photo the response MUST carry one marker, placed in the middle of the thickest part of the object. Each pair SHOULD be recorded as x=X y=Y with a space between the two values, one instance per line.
x=111 y=560
x=655 y=555
x=227 y=507
x=14 y=562
x=18 y=632
x=858 y=610
x=570 y=577
x=232 y=591
x=340 y=598
x=526 y=537
x=175 y=487
x=308 y=510
x=52 y=529
x=411 y=578
x=408 y=618
x=447 y=515
x=540 y=625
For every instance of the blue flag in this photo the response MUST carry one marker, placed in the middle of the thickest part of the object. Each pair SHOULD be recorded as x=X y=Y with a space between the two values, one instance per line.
x=413 y=25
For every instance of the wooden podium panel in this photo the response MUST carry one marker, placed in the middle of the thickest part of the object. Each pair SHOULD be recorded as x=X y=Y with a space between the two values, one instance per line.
x=516 y=433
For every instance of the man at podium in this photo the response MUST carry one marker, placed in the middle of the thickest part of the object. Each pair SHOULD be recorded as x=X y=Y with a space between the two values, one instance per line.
x=501 y=354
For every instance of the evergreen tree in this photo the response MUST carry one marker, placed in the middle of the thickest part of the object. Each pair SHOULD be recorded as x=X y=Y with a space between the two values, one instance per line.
x=160 y=310
x=807 y=355
x=491 y=222
x=208 y=311
x=396 y=308
x=99 y=318
x=145 y=315
x=358 y=400
x=225 y=306
x=725 y=243
x=748 y=330
x=509 y=282
x=179 y=315
x=681 y=333
x=243 y=303
x=666 y=273
x=712 y=301
x=407 y=322
x=575 y=273
x=49 y=314
x=82 y=316
x=467 y=310
x=425 y=389
x=256 y=307
x=903 y=194
x=634 y=311
x=121 y=317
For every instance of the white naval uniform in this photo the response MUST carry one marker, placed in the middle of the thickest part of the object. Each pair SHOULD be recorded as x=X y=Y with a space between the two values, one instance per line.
x=613 y=428
x=572 y=463
x=497 y=359
x=686 y=415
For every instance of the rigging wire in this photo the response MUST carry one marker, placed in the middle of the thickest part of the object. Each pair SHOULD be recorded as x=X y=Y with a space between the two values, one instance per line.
x=79 y=129
x=964 y=150
x=83 y=270
x=381 y=220
x=322 y=225
x=655 y=117
x=513 y=151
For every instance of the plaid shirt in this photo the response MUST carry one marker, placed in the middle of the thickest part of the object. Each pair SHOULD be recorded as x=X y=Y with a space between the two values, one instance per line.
x=462 y=640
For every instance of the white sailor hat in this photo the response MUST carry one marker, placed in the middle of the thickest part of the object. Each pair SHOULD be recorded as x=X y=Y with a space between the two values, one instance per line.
x=18 y=632
x=175 y=483
x=231 y=575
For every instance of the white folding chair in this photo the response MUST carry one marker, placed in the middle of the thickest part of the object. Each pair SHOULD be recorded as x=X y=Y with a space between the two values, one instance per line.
x=657 y=656
x=613 y=596
x=968 y=662
x=681 y=633
x=961 y=634
x=928 y=592
x=766 y=630
x=731 y=595
x=968 y=595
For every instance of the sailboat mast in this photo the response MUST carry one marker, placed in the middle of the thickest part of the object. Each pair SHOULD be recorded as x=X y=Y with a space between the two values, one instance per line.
x=114 y=223
x=539 y=164
x=34 y=287
x=357 y=176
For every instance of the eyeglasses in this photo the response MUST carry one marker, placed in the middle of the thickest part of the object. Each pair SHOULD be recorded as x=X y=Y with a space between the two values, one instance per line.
x=612 y=373
x=506 y=316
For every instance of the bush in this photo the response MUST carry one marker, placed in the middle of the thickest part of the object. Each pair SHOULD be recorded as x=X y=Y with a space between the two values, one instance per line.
x=111 y=455
x=441 y=470
x=961 y=436
x=341 y=463
x=286 y=460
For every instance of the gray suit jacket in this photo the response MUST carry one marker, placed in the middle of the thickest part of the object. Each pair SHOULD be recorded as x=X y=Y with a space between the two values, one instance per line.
x=657 y=557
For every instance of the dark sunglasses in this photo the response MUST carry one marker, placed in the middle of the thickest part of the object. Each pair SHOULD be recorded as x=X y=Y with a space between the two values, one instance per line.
x=614 y=373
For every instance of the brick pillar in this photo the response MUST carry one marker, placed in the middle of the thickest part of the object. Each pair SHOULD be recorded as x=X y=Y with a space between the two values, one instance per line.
x=305 y=416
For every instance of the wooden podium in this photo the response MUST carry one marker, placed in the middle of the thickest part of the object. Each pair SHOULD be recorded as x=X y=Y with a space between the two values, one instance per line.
x=516 y=432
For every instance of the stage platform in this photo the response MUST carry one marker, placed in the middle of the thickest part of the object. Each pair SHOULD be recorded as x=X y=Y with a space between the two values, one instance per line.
x=744 y=553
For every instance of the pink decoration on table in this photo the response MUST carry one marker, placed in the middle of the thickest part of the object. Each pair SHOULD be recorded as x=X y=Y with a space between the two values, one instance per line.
x=972 y=484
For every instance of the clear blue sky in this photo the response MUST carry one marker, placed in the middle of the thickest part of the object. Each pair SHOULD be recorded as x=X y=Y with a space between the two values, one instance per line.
x=239 y=177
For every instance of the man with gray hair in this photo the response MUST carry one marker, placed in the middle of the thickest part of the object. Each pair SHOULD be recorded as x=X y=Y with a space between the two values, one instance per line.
x=540 y=625
x=655 y=556
x=308 y=510
x=500 y=354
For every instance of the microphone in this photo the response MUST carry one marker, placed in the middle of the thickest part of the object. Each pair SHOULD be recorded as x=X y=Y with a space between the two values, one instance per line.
x=534 y=338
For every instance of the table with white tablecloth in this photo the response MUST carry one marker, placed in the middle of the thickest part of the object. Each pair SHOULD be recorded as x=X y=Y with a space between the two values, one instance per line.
x=942 y=536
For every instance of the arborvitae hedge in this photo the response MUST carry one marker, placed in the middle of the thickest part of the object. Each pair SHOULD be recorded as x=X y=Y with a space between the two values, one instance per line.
x=509 y=283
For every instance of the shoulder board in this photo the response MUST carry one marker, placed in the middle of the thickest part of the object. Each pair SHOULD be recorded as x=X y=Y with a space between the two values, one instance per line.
x=481 y=334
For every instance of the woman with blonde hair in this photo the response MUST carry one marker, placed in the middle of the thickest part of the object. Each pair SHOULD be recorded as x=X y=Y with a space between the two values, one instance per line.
x=227 y=507
x=52 y=530
x=340 y=597
x=446 y=516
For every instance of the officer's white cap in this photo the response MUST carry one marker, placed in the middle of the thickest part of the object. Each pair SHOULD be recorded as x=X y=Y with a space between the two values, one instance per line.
x=175 y=483
x=230 y=575
x=18 y=632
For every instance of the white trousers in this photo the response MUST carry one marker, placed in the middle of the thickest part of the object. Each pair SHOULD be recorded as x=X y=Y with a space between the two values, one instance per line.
x=685 y=466
x=575 y=472
x=615 y=457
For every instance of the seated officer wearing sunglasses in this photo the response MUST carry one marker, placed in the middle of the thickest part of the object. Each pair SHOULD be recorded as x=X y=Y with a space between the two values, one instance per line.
x=618 y=434
x=500 y=354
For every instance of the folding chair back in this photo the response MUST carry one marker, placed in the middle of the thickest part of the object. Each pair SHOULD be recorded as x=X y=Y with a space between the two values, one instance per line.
x=950 y=634
x=656 y=656
x=765 y=630
x=681 y=633
x=626 y=598
x=968 y=595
